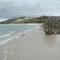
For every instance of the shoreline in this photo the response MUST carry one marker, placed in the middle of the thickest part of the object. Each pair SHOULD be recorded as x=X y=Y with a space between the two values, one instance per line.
x=23 y=24
x=19 y=34
x=34 y=45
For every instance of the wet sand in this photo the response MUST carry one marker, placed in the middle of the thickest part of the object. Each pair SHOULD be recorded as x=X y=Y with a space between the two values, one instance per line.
x=33 y=45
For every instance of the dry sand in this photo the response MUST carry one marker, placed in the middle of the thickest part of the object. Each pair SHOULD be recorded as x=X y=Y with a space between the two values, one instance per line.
x=32 y=45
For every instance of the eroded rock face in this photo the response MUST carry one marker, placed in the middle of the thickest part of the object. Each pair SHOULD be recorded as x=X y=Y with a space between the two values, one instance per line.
x=52 y=25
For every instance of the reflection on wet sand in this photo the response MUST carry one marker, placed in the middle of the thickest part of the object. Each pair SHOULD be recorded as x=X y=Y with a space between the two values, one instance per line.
x=49 y=40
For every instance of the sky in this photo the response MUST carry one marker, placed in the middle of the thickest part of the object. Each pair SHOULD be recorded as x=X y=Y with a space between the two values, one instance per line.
x=17 y=8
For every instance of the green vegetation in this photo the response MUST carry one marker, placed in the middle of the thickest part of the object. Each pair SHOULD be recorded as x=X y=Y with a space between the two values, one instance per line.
x=23 y=20
x=41 y=19
x=51 y=23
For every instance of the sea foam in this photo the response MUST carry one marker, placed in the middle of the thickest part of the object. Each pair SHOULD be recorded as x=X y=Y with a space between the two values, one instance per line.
x=6 y=35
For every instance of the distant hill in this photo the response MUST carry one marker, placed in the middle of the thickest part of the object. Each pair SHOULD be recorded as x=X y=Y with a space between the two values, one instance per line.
x=22 y=20
x=40 y=19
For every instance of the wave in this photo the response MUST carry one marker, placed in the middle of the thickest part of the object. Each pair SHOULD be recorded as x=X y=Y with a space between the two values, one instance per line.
x=5 y=41
x=12 y=35
x=6 y=35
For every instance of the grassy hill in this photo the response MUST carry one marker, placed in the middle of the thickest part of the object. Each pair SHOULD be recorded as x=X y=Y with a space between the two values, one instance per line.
x=40 y=19
x=22 y=20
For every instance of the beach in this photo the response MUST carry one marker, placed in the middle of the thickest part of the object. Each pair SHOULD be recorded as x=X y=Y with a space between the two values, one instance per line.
x=32 y=45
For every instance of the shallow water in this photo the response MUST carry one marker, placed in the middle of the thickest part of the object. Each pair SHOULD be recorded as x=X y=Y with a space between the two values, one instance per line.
x=9 y=31
x=35 y=45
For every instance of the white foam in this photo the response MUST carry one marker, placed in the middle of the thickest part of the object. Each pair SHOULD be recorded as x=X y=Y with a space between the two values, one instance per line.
x=12 y=32
x=37 y=26
x=14 y=37
x=6 y=35
x=5 y=41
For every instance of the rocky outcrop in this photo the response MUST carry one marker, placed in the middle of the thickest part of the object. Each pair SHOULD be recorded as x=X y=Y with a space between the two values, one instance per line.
x=52 y=25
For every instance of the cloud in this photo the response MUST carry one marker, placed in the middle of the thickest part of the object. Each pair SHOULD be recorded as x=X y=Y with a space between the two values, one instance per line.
x=12 y=8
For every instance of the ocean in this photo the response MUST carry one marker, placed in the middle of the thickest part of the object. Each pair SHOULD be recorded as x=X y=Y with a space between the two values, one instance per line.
x=9 y=31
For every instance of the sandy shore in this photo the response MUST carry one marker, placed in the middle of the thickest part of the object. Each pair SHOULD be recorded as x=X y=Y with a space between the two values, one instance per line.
x=32 y=45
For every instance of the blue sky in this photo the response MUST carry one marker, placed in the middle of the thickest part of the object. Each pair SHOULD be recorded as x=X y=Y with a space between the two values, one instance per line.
x=16 y=8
